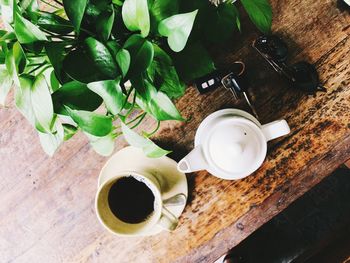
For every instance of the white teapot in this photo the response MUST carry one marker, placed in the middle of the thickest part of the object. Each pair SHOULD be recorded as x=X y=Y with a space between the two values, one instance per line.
x=231 y=144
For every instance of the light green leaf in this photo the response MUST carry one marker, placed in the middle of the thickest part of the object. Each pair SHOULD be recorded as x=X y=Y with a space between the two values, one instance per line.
x=5 y=84
x=69 y=131
x=111 y=93
x=51 y=141
x=11 y=67
x=26 y=31
x=102 y=145
x=260 y=13
x=177 y=28
x=141 y=52
x=238 y=21
x=75 y=10
x=123 y=59
x=42 y=103
x=19 y=57
x=150 y=148
x=136 y=16
x=159 y=105
x=31 y=5
x=6 y=2
x=23 y=99
x=92 y=123
x=55 y=84
x=6 y=8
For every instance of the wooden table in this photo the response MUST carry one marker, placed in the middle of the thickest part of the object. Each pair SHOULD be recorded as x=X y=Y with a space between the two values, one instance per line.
x=47 y=204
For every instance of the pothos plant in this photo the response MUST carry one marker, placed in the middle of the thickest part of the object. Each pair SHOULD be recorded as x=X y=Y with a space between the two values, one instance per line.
x=101 y=66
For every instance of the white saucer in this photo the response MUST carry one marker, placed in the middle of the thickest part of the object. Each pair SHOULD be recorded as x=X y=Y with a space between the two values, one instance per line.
x=133 y=158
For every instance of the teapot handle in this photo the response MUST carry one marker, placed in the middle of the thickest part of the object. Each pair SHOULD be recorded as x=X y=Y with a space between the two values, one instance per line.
x=275 y=129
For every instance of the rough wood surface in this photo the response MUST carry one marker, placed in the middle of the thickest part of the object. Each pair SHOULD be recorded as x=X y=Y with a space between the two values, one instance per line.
x=47 y=204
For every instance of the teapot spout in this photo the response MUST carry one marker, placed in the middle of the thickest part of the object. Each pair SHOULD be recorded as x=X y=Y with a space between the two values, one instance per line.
x=194 y=161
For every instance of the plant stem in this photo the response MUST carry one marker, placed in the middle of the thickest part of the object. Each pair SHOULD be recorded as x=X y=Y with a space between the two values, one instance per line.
x=36 y=68
x=154 y=131
x=35 y=55
x=63 y=37
x=132 y=105
x=127 y=97
x=140 y=117
x=87 y=31
x=49 y=4
x=45 y=68
x=56 y=1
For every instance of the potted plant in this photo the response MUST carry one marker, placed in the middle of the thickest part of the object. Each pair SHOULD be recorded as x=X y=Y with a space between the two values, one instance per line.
x=101 y=66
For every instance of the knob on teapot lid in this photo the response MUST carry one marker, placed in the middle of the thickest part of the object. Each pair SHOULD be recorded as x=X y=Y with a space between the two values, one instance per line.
x=236 y=146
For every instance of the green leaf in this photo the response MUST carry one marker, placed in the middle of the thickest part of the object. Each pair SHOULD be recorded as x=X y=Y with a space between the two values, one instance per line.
x=90 y=122
x=141 y=52
x=23 y=99
x=69 y=131
x=55 y=85
x=193 y=62
x=123 y=59
x=51 y=141
x=54 y=23
x=8 y=36
x=29 y=5
x=150 y=148
x=102 y=58
x=6 y=2
x=5 y=84
x=177 y=28
x=77 y=96
x=42 y=103
x=75 y=10
x=26 y=31
x=104 y=24
x=260 y=13
x=19 y=57
x=56 y=54
x=102 y=145
x=111 y=93
x=161 y=9
x=163 y=74
x=138 y=82
x=136 y=16
x=72 y=65
x=11 y=67
x=159 y=105
x=218 y=22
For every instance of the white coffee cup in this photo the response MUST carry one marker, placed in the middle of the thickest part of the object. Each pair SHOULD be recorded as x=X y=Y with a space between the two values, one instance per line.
x=160 y=216
x=231 y=144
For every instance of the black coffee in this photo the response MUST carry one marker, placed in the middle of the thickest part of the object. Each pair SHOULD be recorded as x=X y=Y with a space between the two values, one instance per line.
x=131 y=200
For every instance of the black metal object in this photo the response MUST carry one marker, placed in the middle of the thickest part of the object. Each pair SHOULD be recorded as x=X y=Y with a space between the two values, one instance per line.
x=302 y=75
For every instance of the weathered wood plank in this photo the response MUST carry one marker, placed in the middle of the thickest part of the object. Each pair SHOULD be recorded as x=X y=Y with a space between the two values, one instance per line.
x=49 y=213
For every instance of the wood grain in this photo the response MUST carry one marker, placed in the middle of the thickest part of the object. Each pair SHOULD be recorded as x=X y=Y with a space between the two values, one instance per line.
x=47 y=212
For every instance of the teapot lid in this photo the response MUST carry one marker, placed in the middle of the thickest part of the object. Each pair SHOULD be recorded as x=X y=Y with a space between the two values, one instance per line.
x=235 y=146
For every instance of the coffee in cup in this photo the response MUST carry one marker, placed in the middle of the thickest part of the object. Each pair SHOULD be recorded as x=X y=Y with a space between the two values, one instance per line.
x=130 y=204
